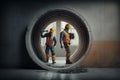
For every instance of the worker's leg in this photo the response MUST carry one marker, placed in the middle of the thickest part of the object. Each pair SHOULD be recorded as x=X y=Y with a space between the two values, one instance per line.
x=53 y=55
x=67 y=49
x=47 y=53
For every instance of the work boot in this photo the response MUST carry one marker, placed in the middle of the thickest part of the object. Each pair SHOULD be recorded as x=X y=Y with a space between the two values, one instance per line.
x=68 y=59
x=53 y=62
x=53 y=59
x=68 y=62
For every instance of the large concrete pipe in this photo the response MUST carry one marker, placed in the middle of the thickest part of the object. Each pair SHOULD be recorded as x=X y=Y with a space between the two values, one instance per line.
x=68 y=15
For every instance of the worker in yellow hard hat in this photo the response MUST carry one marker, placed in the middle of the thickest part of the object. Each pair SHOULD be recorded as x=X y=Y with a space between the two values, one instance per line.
x=50 y=44
x=65 y=39
x=52 y=30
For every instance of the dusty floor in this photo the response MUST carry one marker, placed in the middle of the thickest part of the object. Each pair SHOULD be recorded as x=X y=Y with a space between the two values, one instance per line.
x=91 y=74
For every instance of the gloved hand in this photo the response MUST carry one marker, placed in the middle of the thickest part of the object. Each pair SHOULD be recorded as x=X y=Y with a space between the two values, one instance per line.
x=61 y=46
x=54 y=45
x=69 y=43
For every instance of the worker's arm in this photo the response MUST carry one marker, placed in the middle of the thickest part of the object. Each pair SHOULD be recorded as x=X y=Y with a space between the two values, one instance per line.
x=45 y=35
x=55 y=41
x=61 y=39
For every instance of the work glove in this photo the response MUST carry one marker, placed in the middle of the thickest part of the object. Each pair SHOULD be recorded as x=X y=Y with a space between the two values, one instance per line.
x=69 y=43
x=61 y=46
x=54 y=45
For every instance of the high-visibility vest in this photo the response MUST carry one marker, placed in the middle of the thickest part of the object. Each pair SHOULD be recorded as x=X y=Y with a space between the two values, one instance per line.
x=49 y=41
x=66 y=38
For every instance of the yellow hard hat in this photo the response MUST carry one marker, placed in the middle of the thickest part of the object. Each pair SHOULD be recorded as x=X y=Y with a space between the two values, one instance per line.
x=67 y=26
x=52 y=30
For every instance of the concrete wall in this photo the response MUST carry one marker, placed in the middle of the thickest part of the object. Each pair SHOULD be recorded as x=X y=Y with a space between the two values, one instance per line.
x=102 y=17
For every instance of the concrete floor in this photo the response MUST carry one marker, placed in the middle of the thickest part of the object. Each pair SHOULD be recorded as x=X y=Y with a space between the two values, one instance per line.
x=91 y=74
x=60 y=62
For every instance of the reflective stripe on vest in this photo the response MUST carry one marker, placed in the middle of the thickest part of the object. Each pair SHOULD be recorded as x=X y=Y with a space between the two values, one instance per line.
x=66 y=38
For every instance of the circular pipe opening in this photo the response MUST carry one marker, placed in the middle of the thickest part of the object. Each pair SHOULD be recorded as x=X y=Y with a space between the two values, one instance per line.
x=33 y=39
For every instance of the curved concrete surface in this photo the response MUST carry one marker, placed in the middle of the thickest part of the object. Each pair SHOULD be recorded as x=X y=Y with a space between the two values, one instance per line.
x=40 y=23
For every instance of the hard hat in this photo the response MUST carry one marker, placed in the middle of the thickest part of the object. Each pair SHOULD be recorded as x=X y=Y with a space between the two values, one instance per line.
x=67 y=26
x=52 y=30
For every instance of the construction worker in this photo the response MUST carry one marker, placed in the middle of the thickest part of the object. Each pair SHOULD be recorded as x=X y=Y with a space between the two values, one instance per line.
x=50 y=44
x=65 y=39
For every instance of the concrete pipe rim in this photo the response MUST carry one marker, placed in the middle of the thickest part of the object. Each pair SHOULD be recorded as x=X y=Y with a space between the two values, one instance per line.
x=32 y=53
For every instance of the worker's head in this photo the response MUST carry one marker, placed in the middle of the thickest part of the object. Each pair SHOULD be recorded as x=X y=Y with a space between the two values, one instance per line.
x=52 y=30
x=67 y=26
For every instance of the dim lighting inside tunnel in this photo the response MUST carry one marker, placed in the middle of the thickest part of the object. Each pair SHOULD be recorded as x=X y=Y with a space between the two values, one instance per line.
x=58 y=18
